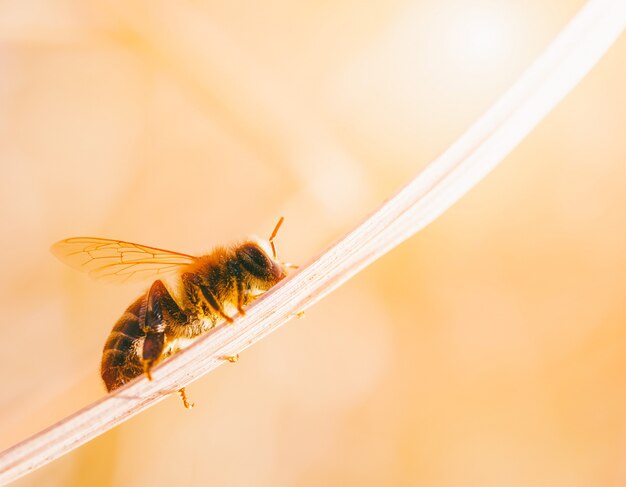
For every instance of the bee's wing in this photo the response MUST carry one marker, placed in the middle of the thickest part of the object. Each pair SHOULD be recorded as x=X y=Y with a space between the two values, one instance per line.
x=118 y=261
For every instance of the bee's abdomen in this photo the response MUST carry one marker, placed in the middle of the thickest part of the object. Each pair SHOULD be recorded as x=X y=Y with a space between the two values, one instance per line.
x=120 y=359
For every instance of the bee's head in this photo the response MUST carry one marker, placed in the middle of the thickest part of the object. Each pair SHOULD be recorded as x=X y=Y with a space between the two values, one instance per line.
x=263 y=269
x=258 y=258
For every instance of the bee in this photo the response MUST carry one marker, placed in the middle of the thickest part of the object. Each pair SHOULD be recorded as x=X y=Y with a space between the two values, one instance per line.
x=191 y=295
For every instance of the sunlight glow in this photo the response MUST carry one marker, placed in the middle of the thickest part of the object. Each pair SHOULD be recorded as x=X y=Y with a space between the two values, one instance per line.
x=479 y=36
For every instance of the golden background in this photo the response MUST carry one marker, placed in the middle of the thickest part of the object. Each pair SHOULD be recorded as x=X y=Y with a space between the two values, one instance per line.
x=488 y=350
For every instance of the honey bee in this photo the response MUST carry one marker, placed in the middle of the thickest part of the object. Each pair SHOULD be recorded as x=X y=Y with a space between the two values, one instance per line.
x=190 y=296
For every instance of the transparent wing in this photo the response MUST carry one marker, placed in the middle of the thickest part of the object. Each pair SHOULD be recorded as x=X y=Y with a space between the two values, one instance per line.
x=118 y=261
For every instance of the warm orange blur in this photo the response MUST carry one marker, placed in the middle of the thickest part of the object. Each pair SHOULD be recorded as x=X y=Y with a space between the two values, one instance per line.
x=489 y=350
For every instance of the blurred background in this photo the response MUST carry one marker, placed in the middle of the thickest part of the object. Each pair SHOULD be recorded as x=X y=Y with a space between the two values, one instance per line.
x=490 y=349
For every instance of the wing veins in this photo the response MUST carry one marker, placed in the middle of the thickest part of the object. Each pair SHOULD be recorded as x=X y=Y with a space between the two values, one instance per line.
x=118 y=259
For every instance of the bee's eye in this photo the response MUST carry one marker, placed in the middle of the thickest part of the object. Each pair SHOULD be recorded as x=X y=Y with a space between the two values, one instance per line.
x=254 y=260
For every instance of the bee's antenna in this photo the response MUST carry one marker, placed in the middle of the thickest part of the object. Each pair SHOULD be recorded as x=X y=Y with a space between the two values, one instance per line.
x=271 y=239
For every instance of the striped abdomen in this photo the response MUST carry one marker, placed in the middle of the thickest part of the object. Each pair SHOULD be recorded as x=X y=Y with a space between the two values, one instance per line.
x=120 y=357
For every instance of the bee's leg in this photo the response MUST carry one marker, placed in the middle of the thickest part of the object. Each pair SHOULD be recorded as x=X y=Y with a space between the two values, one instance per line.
x=238 y=283
x=233 y=359
x=209 y=297
x=159 y=302
x=183 y=396
x=240 y=297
